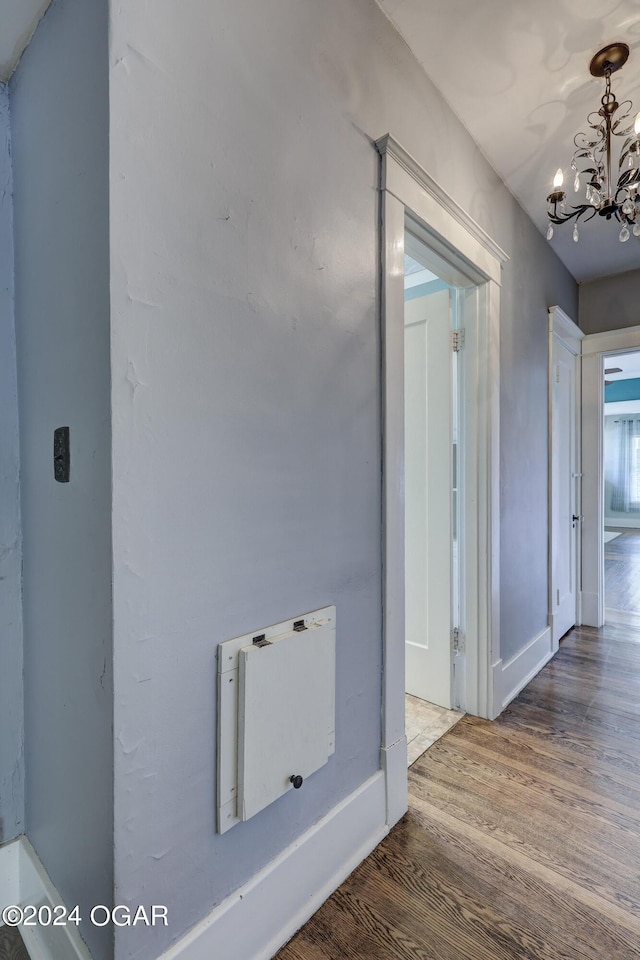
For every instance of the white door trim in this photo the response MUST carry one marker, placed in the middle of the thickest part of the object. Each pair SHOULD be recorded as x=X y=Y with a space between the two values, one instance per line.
x=408 y=189
x=595 y=347
x=569 y=333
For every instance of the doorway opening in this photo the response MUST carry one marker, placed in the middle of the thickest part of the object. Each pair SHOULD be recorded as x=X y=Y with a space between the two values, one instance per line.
x=621 y=477
x=413 y=203
x=437 y=292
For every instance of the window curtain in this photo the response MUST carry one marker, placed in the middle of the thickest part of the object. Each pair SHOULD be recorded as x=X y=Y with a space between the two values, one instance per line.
x=625 y=495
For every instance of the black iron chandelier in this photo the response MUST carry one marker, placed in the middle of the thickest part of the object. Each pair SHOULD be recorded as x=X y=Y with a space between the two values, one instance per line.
x=592 y=162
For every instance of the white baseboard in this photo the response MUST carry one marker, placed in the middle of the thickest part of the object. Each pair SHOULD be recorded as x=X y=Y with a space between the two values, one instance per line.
x=24 y=881
x=520 y=669
x=394 y=767
x=9 y=876
x=495 y=707
x=256 y=920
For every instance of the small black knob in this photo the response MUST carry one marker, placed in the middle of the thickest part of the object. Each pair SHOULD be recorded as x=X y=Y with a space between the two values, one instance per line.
x=296 y=781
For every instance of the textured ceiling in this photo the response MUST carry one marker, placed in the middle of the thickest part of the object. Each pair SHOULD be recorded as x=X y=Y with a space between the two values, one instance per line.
x=18 y=20
x=516 y=72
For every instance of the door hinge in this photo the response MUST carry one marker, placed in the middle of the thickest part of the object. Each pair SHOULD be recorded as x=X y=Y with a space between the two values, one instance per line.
x=457 y=639
x=457 y=340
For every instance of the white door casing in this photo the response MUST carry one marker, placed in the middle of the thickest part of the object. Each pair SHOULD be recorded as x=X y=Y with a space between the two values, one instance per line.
x=595 y=347
x=408 y=189
x=564 y=473
x=428 y=521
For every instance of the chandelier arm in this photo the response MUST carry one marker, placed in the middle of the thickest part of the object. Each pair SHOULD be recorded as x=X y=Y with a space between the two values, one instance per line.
x=585 y=209
x=625 y=150
x=621 y=117
x=627 y=180
x=595 y=120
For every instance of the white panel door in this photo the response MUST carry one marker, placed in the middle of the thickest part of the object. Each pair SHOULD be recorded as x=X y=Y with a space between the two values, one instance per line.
x=564 y=487
x=428 y=391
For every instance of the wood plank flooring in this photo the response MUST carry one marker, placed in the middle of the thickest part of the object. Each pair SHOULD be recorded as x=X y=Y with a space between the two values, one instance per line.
x=522 y=840
x=11 y=944
x=622 y=575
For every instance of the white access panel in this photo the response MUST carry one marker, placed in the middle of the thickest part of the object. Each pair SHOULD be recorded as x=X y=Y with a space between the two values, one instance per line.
x=284 y=710
x=276 y=712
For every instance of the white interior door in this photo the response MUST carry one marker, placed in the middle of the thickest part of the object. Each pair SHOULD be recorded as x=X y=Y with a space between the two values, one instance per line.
x=565 y=517
x=428 y=497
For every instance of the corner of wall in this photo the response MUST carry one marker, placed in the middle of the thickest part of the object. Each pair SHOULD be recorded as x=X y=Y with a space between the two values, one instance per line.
x=11 y=664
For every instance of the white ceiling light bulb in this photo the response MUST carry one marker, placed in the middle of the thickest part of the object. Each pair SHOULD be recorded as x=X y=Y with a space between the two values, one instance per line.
x=636 y=126
x=558 y=180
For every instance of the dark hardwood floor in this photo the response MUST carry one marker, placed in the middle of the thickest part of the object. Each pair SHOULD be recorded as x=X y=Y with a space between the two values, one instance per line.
x=522 y=840
x=11 y=945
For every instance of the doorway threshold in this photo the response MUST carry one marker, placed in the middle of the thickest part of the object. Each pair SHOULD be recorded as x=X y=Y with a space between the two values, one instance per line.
x=425 y=724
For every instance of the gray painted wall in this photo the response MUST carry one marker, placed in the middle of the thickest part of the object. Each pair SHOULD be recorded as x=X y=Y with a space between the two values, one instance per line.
x=11 y=690
x=610 y=303
x=59 y=108
x=533 y=280
x=246 y=396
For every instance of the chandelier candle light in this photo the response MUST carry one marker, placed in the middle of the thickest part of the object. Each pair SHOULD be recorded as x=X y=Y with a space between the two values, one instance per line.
x=592 y=162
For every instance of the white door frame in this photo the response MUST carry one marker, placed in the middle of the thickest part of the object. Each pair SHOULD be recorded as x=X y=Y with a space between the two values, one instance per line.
x=595 y=347
x=571 y=336
x=406 y=189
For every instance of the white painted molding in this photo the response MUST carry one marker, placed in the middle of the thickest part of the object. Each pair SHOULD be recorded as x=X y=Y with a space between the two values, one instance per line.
x=564 y=328
x=517 y=672
x=555 y=644
x=394 y=767
x=610 y=341
x=579 y=621
x=387 y=146
x=496 y=686
x=408 y=191
x=595 y=347
x=9 y=875
x=23 y=881
x=393 y=612
x=256 y=920
x=591 y=607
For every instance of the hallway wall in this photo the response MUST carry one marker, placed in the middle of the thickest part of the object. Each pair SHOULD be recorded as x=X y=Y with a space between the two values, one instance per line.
x=11 y=688
x=59 y=114
x=610 y=303
x=246 y=396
